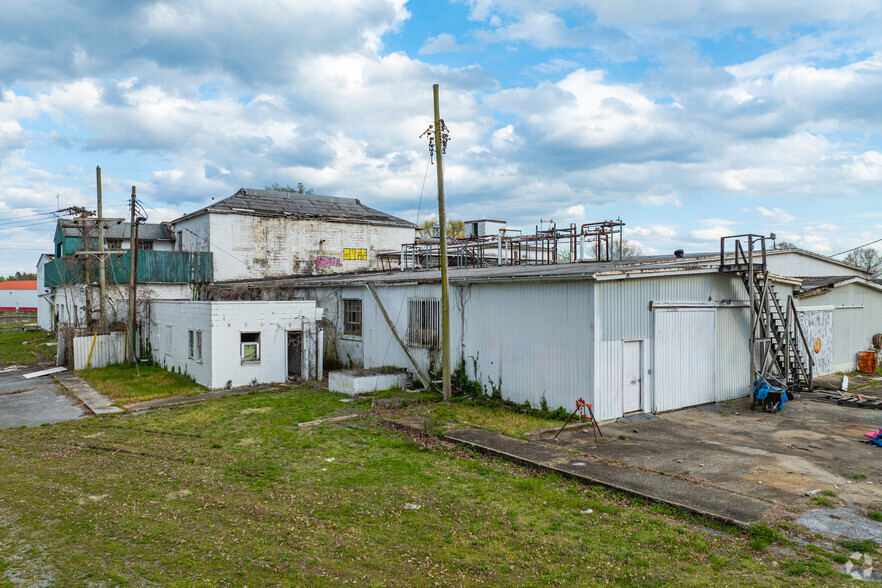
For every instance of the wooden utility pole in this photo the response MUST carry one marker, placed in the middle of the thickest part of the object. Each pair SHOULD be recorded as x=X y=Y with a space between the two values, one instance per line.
x=442 y=218
x=102 y=323
x=130 y=323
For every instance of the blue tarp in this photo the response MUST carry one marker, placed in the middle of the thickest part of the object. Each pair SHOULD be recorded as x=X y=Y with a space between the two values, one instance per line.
x=761 y=389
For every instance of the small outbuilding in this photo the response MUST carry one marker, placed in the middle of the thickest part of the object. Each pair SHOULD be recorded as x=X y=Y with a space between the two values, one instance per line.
x=230 y=344
x=18 y=295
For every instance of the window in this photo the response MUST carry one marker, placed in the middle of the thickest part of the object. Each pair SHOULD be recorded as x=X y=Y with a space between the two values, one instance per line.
x=145 y=245
x=352 y=317
x=195 y=342
x=424 y=322
x=180 y=240
x=250 y=346
x=114 y=243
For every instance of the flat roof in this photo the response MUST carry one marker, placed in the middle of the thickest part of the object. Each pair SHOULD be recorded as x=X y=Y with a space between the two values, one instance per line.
x=643 y=265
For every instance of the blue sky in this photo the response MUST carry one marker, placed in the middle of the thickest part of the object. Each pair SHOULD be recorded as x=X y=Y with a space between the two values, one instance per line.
x=689 y=120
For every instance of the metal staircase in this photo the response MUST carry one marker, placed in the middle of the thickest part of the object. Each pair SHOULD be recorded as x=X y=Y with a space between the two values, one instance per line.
x=778 y=347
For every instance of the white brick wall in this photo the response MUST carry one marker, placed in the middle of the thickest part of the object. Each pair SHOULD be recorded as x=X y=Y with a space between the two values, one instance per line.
x=221 y=324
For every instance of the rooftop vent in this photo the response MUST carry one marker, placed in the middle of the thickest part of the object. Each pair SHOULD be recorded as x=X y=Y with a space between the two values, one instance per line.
x=679 y=254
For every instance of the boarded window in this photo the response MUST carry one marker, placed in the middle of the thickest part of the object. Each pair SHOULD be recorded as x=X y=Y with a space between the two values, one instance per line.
x=192 y=344
x=352 y=317
x=424 y=322
x=250 y=345
x=198 y=345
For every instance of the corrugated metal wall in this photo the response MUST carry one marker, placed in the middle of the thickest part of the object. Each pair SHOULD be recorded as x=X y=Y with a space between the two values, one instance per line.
x=853 y=328
x=623 y=313
x=109 y=349
x=532 y=340
x=733 y=353
x=684 y=358
x=563 y=340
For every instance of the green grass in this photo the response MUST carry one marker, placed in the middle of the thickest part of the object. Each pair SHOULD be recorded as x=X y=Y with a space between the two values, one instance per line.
x=875 y=515
x=122 y=383
x=865 y=546
x=495 y=418
x=233 y=492
x=824 y=501
x=23 y=348
x=859 y=477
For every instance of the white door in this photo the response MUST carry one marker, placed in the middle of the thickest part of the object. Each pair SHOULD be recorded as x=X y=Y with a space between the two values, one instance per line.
x=684 y=352
x=632 y=374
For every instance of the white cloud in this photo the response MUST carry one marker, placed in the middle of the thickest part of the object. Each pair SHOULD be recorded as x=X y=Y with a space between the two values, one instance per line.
x=779 y=214
x=443 y=43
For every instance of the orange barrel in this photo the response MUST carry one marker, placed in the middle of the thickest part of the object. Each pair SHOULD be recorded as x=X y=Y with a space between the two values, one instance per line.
x=867 y=362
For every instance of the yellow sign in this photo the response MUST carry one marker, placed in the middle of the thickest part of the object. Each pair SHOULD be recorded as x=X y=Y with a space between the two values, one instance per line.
x=354 y=254
x=817 y=345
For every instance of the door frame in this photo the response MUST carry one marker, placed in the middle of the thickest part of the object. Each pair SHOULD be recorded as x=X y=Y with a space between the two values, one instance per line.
x=288 y=354
x=643 y=375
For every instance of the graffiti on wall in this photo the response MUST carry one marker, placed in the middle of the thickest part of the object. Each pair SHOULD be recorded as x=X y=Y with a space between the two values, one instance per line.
x=354 y=254
x=328 y=262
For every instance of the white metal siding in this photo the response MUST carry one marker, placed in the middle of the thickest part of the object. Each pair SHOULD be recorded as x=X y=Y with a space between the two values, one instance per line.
x=733 y=353
x=685 y=345
x=536 y=339
x=108 y=349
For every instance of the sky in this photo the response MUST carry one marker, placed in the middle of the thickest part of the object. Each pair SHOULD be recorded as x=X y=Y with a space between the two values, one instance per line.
x=687 y=119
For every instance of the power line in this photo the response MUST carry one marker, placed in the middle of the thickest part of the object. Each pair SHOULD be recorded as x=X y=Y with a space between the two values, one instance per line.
x=206 y=239
x=856 y=248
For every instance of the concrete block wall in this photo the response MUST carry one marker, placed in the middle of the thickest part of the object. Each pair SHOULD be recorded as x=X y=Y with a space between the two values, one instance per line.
x=222 y=324
x=258 y=247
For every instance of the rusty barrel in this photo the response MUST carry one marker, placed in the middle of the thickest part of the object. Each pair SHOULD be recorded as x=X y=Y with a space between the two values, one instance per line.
x=867 y=362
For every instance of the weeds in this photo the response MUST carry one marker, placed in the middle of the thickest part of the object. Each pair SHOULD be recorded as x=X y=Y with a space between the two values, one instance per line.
x=864 y=546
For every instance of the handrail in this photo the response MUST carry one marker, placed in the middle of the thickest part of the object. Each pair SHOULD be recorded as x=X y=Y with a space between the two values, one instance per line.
x=801 y=334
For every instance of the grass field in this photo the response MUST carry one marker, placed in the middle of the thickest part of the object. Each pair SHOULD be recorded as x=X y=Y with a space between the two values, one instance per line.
x=17 y=348
x=126 y=383
x=233 y=492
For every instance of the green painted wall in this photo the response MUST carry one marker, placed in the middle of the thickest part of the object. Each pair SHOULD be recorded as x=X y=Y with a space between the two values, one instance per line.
x=153 y=266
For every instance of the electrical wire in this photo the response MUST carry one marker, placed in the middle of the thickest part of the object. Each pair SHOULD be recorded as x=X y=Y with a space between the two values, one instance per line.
x=856 y=248
x=422 y=189
x=206 y=239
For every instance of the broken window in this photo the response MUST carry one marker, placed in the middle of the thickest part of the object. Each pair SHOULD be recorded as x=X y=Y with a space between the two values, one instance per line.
x=250 y=345
x=352 y=317
x=145 y=245
x=424 y=322
x=114 y=243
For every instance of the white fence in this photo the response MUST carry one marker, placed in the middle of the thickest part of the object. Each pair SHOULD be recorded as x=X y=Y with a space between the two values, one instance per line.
x=109 y=349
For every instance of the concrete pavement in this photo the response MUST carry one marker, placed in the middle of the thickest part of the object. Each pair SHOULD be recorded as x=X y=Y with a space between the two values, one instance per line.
x=29 y=403
x=716 y=503
x=97 y=402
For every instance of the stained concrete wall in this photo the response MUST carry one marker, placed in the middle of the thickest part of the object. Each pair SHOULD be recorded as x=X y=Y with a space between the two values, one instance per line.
x=247 y=247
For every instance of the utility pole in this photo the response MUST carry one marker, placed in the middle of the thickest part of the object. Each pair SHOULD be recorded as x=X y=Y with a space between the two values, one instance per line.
x=102 y=324
x=440 y=143
x=132 y=269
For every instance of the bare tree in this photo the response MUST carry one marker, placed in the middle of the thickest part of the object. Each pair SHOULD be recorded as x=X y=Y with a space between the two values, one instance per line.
x=865 y=258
